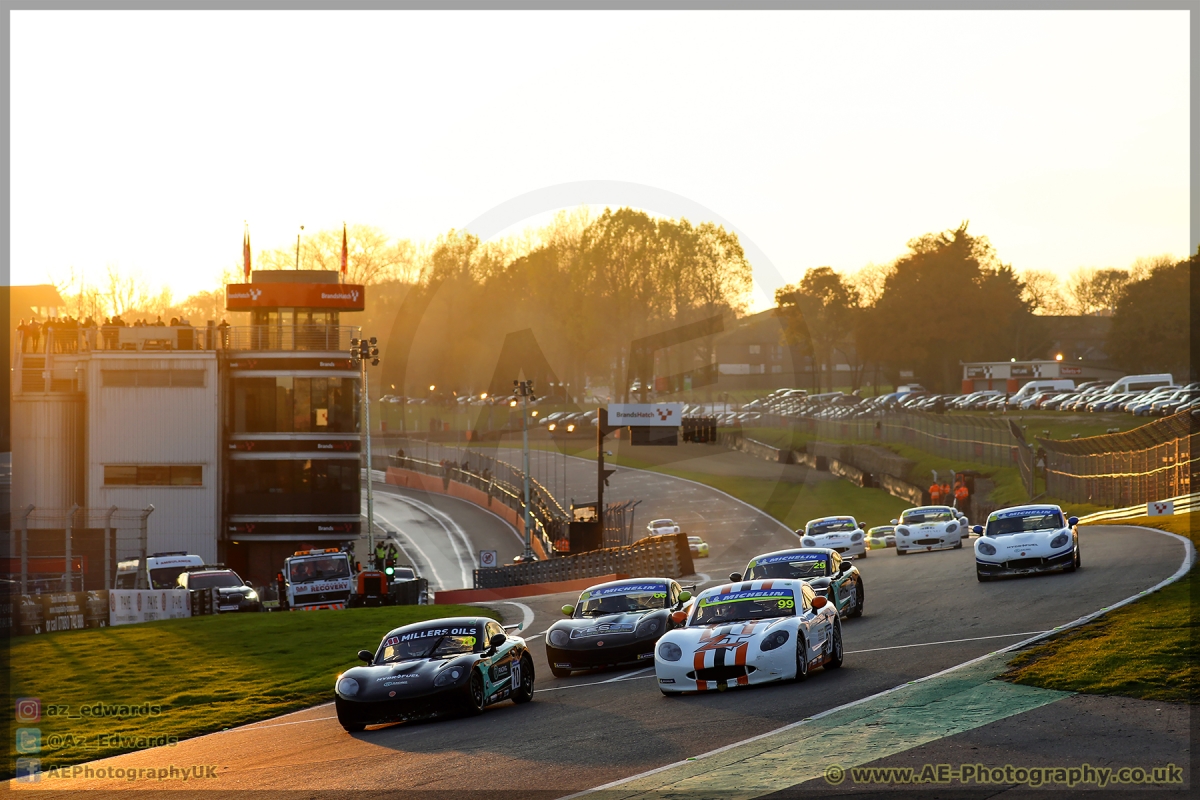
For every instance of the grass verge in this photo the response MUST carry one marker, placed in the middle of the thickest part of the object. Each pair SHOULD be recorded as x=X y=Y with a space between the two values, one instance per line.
x=1146 y=649
x=107 y=691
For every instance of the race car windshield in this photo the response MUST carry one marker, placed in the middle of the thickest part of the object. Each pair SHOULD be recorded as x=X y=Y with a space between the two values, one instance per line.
x=880 y=531
x=427 y=647
x=798 y=569
x=1047 y=521
x=917 y=517
x=318 y=569
x=642 y=599
x=832 y=526
x=662 y=523
x=743 y=606
x=214 y=580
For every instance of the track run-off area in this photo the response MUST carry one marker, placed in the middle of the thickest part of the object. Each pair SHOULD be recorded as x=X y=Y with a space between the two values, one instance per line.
x=924 y=613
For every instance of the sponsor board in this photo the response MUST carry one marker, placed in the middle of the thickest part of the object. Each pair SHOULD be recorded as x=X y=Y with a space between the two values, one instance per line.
x=130 y=606
x=344 y=296
x=646 y=415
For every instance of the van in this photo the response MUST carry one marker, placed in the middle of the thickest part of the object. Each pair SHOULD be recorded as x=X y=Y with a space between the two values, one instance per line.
x=1031 y=388
x=162 y=571
x=1141 y=383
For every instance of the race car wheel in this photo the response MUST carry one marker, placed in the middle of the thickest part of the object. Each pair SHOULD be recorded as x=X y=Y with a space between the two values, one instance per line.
x=524 y=691
x=900 y=552
x=864 y=553
x=475 y=697
x=836 y=653
x=981 y=577
x=560 y=673
x=959 y=545
x=801 y=657
x=859 y=599
x=1074 y=565
x=353 y=727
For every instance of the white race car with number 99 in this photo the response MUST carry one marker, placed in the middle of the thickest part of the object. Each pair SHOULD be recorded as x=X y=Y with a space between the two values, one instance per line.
x=748 y=633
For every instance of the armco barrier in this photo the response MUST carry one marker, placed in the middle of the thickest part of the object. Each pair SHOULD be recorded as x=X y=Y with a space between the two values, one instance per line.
x=525 y=590
x=411 y=479
x=666 y=556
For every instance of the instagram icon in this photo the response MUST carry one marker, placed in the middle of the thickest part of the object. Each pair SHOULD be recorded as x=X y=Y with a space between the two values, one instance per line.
x=29 y=709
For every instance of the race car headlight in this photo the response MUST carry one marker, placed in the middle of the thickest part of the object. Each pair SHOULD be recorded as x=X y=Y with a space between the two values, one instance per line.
x=775 y=640
x=856 y=537
x=987 y=549
x=902 y=531
x=449 y=676
x=809 y=543
x=347 y=687
x=559 y=638
x=251 y=595
x=1059 y=541
x=647 y=628
x=952 y=527
x=669 y=651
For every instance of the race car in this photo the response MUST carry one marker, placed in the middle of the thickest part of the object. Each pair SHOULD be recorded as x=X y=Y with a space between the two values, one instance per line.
x=662 y=527
x=1026 y=539
x=614 y=624
x=434 y=668
x=881 y=536
x=929 y=528
x=821 y=568
x=698 y=547
x=748 y=633
x=842 y=534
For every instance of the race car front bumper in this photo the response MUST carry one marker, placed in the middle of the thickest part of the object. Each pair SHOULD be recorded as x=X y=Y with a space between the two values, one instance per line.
x=381 y=712
x=598 y=657
x=769 y=667
x=1026 y=566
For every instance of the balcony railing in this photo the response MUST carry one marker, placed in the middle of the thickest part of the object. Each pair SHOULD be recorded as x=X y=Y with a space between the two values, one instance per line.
x=55 y=339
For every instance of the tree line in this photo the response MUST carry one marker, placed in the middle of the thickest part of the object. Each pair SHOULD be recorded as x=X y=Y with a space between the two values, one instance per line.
x=950 y=299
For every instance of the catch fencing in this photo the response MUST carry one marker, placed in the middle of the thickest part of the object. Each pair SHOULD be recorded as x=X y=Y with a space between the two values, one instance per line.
x=1153 y=462
x=61 y=550
x=657 y=556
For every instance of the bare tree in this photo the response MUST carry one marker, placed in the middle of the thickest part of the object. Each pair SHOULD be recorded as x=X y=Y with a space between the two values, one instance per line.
x=869 y=281
x=124 y=292
x=1043 y=291
x=1096 y=291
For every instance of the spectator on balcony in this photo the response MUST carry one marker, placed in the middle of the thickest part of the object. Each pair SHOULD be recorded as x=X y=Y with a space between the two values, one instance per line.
x=158 y=323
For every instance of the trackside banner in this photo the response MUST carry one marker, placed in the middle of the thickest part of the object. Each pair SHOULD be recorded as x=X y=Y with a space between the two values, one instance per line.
x=128 y=606
x=646 y=415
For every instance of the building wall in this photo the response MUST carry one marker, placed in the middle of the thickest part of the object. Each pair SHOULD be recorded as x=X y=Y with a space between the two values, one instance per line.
x=48 y=450
x=158 y=426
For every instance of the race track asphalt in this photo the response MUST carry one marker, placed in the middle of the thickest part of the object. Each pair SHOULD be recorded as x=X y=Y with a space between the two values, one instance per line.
x=925 y=612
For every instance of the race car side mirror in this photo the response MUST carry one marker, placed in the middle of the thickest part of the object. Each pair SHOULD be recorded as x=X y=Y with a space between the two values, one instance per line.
x=895 y=522
x=1072 y=521
x=679 y=617
x=568 y=610
x=366 y=655
x=845 y=567
x=735 y=576
x=497 y=640
x=818 y=603
x=684 y=596
x=977 y=530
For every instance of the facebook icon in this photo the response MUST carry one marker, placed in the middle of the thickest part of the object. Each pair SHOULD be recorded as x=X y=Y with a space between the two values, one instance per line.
x=29 y=770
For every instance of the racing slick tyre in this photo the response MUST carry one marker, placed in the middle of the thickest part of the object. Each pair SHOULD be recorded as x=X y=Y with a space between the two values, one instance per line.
x=1075 y=562
x=801 y=657
x=979 y=576
x=859 y=599
x=560 y=673
x=900 y=552
x=837 y=653
x=864 y=553
x=476 y=700
x=959 y=545
x=524 y=692
x=353 y=727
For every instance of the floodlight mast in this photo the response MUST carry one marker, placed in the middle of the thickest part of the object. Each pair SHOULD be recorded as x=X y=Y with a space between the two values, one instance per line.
x=363 y=351
x=524 y=390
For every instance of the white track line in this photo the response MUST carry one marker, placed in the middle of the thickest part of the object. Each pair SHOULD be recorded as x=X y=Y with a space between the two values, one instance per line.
x=620 y=678
x=597 y=683
x=507 y=524
x=526 y=614
x=947 y=641
x=1188 y=559
x=466 y=564
x=436 y=577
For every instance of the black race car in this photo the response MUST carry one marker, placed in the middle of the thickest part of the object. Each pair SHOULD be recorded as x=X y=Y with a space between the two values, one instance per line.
x=427 y=669
x=822 y=568
x=613 y=624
